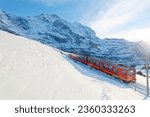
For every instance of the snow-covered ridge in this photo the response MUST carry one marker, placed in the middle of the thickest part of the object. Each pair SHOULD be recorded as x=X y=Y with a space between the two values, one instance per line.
x=71 y=37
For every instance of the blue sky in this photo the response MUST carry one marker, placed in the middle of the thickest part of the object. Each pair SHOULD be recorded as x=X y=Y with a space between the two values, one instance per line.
x=129 y=19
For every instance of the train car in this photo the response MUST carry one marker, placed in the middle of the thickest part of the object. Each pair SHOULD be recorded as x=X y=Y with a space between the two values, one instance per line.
x=81 y=58
x=124 y=73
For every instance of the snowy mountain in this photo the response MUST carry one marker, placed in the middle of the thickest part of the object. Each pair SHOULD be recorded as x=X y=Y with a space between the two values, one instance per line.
x=30 y=70
x=71 y=37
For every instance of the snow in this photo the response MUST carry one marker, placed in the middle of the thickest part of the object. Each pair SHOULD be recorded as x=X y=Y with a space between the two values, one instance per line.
x=56 y=32
x=31 y=70
x=81 y=30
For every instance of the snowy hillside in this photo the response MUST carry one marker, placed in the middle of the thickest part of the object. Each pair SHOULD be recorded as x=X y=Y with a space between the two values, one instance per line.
x=30 y=70
x=71 y=37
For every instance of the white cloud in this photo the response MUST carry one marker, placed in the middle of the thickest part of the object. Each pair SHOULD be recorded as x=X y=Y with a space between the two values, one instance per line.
x=53 y=2
x=135 y=34
x=107 y=22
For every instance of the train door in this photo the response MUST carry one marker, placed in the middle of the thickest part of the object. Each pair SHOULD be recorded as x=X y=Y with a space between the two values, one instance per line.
x=89 y=61
x=131 y=74
x=85 y=59
x=121 y=73
x=115 y=70
x=124 y=73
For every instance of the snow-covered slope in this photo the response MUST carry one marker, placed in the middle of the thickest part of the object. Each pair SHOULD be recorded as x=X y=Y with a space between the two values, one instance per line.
x=31 y=70
x=71 y=37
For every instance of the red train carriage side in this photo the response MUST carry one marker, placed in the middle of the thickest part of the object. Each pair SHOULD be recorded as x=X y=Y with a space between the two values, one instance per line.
x=81 y=58
x=124 y=73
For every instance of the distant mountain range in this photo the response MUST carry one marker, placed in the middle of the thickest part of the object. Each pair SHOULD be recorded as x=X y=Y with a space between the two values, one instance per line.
x=72 y=37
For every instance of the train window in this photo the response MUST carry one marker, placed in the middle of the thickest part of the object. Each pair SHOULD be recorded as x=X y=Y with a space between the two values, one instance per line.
x=123 y=71
x=110 y=68
x=101 y=65
x=105 y=66
x=90 y=61
x=116 y=70
x=131 y=71
x=97 y=63
x=94 y=61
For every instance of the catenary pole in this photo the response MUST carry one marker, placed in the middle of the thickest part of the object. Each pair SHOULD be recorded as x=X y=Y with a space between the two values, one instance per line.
x=147 y=78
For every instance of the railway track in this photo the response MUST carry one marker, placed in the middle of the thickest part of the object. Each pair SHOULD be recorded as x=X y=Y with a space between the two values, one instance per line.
x=139 y=87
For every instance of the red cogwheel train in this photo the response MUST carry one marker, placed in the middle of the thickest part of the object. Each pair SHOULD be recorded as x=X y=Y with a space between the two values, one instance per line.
x=124 y=73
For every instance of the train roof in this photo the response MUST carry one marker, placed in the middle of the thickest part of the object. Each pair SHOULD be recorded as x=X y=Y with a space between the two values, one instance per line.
x=116 y=64
x=108 y=62
x=112 y=63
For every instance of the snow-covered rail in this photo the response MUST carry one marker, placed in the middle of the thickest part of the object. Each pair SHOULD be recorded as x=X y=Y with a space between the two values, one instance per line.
x=139 y=87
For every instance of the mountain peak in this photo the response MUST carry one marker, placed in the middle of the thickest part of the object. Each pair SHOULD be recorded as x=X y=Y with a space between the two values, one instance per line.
x=2 y=12
x=47 y=16
x=55 y=16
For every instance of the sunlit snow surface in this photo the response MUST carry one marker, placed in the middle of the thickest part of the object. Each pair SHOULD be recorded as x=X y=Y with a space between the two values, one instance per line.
x=31 y=70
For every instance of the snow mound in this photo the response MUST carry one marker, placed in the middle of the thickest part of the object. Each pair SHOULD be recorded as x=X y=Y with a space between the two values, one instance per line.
x=31 y=70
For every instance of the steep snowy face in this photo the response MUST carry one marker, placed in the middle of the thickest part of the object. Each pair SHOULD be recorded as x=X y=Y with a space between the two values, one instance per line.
x=71 y=37
x=120 y=51
x=13 y=24
x=53 y=31
x=82 y=30
x=3 y=20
